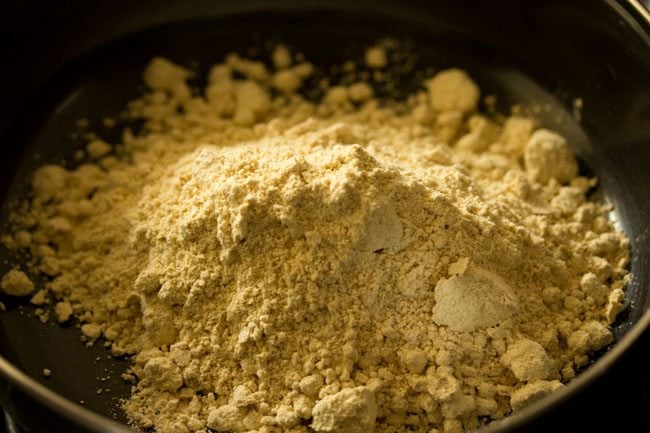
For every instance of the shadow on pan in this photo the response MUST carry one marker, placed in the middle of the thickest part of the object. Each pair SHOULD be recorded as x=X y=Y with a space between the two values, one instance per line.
x=85 y=61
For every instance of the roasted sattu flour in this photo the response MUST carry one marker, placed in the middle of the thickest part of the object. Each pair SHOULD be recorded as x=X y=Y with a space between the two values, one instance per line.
x=278 y=265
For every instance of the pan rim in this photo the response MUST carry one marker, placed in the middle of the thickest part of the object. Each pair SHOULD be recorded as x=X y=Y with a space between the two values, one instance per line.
x=635 y=15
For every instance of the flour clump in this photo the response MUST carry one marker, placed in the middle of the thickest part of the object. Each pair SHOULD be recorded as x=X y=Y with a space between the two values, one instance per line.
x=474 y=299
x=16 y=283
x=351 y=410
x=272 y=263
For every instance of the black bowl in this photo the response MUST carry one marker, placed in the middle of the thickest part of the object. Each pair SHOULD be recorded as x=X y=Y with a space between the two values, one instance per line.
x=65 y=61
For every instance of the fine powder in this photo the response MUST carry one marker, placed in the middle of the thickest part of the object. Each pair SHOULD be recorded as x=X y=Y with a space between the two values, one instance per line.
x=279 y=265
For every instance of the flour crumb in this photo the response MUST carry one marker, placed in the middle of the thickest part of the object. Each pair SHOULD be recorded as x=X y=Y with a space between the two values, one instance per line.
x=16 y=283
x=98 y=148
x=91 y=330
x=48 y=181
x=548 y=157
x=282 y=57
x=42 y=315
x=532 y=393
x=360 y=92
x=23 y=239
x=592 y=335
x=376 y=57
x=226 y=418
x=39 y=298
x=615 y=304
x=161 y=74
x=63 y=311
x=529 y=361
x=453 y=90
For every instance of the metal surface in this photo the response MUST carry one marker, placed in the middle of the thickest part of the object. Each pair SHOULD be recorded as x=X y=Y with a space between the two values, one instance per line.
x=596 y=50
x=10 y=426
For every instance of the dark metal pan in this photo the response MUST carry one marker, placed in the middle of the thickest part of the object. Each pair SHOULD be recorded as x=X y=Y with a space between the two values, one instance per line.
x=64 y=61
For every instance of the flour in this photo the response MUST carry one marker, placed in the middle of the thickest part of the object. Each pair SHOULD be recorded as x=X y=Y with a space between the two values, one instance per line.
x=474 y=299
x=278 y=265
x=16 y=283
x=376 y=57
x=351 y=410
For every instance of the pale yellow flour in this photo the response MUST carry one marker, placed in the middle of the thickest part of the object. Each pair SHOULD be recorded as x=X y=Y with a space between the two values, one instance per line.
x=278 y=265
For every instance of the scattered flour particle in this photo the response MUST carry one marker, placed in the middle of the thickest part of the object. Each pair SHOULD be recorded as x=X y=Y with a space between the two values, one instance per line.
x=16 y=283
x=128 y=377
x=220 y=73
x=9 y=242
x=49 y=180
x=42 y=315
x=98 y=148
x=614 y=305
x=360 y=92
x=578 y=105
x=254 y=70
x=287 y=81
x=23 y=239
x=39 y=298
x=337 y=95
x=281 y=57
x=63 y=311
x=161 y=74
x=547 y=157
x=376 y=57
x=529 y=361
x=251 y=98
x=592 y=335
x=91 y=330
x=453 y=90
x=515 y=135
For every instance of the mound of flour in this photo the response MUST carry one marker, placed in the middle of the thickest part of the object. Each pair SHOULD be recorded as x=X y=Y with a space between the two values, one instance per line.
x=278 y=265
